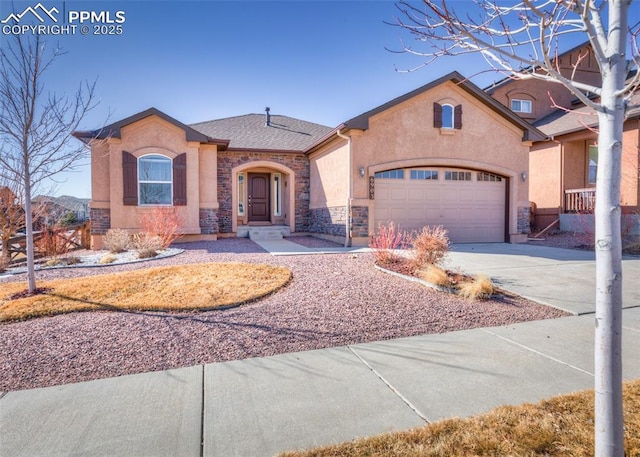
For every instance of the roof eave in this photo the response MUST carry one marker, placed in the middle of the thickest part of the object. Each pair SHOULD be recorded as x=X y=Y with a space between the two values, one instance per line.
x=114 y=130
x=324 y=139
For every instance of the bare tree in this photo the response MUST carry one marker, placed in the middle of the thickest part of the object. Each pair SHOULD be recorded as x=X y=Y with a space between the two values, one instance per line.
x=522 y=40
x=36 y=126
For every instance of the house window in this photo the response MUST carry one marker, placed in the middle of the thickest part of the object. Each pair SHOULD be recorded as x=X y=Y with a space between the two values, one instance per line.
x=447 y=116
x=241 y=194
x=457 y=176
x=521 y=106
x=593 y=163
x=155 y=180
x=277 y=194
x=488 y=177
x=424 y=174
x=390 y=174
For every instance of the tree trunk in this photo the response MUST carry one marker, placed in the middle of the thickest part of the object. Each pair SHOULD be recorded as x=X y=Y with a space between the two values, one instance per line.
x=28 y=219
x=609 y=421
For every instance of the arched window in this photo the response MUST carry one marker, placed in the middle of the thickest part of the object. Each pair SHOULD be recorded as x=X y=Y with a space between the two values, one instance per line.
x=447 y=116
x=155 y=180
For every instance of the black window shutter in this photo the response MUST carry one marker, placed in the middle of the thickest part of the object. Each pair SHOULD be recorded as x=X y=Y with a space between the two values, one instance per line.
x=129 y=179
x=180 y=180
x=457 y=117
x=437 y=115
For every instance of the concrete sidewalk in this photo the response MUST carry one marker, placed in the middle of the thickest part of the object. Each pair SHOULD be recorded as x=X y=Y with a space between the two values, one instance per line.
x=259 y=407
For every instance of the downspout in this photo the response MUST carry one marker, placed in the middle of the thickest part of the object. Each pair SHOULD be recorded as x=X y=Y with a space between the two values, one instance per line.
x=347 y=237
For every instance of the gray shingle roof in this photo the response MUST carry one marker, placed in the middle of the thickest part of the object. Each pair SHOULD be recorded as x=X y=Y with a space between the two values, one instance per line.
x=250 y=132
x=562 y=122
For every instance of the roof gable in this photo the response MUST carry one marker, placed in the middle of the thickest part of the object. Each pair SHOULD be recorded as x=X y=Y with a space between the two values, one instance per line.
x=114 y=130
x=530 y=133
x=509 y=79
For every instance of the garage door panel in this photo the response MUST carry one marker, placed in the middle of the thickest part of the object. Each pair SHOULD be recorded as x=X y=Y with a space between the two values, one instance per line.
x=471 y=211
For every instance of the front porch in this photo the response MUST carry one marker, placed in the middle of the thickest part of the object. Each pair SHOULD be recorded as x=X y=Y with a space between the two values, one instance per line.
x=578 y=214
x=263 y=232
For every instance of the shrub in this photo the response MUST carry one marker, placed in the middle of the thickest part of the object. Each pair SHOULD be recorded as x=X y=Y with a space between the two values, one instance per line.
x=146 y=253
x=386 y=241
x=162 y=222
x=117 y=240
x=435 y=275
x=107 y=258
x=430 y=246
x=61 y=261
x=147 y=244
x=68 y=219
x=480 y=287
x=72 y=260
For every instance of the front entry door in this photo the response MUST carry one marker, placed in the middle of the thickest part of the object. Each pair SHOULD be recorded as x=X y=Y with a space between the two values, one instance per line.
x=258 y=200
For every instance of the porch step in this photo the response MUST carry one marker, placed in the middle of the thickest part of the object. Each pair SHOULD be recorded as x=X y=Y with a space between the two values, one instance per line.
x=272 y=232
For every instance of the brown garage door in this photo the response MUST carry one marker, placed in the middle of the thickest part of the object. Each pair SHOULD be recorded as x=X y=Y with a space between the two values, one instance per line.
x=469 y=204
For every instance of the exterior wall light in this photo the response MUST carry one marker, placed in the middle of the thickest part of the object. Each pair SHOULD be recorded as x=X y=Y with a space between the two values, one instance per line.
x=362 y=171
x=523 y=175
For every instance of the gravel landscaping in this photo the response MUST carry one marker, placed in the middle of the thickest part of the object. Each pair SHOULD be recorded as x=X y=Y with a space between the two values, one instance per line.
x=333 y=300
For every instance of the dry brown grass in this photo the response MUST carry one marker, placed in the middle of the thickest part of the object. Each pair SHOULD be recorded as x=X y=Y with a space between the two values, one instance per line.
x=186 y=287
x=435 y=275
x=559 y=427
x=480 y=287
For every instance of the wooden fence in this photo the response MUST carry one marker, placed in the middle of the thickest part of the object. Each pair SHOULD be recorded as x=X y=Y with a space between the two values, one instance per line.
x=57 y=240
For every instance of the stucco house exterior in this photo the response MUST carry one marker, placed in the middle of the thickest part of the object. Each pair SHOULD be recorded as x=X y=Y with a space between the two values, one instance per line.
x=444 y=154
x=563 y=165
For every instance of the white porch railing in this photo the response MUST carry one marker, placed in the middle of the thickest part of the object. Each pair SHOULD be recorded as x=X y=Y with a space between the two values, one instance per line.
x=579 y=200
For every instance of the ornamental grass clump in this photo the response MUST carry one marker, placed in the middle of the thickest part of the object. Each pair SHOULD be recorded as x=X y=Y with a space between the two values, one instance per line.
x=435 y=275
x=116 y=241
x=480 y=288
x=386 y=242
x=147 y=244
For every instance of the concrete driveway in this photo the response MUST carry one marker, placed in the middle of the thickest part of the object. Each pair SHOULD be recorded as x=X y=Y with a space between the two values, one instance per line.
x=564 y=278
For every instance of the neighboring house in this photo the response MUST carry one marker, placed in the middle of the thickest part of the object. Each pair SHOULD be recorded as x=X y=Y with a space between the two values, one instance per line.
x=563 y=166
x=51 y=210
x=445 y=154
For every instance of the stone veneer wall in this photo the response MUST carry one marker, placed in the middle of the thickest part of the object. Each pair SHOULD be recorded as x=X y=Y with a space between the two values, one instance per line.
x=208 y=221
x=333 y=221
x=299 y=163
x=359 y=221
x=100 y=220
x=329 y=221
x=524 y=219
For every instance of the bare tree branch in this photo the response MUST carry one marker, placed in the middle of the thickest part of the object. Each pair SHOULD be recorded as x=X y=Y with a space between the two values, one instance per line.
x=36 y=129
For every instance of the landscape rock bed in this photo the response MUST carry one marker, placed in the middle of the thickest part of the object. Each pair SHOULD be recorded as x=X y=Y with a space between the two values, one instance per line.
x=333 y=300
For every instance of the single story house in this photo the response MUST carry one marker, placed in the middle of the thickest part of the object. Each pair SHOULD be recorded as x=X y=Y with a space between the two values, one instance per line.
x=445 y=154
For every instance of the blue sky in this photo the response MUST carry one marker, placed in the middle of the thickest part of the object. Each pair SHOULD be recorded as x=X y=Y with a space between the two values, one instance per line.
x=322 y=61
